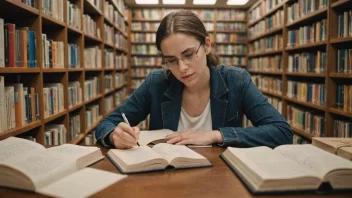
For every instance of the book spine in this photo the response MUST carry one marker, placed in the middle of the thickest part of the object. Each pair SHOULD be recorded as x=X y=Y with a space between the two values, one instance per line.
x=2 y=44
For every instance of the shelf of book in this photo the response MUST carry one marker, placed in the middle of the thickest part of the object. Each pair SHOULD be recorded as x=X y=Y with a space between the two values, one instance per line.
x=265 y=72
x=54 y=70
x=93 y=126
x=53 y=117
x=90 y=8
x=109 y=69
x=92 y=38
x=311 y=16
x=307 y=74
x=75 y=107
x=271 y=52
x=109 y=91
x=23 y=6
x=74 y=30
x=306 y=46
x=267 y=33
x=46 y=19
x=93 y=99
x=271 y=93
x=341 y=75
x=340 y=3
x=307 y=104
x=301 y=132
x=14 y=70
x=280 y=5
x=75 y=69
x=93 y=69
x=121 y=69
x=120 y=86
x=19 y=130
x=341 y=112
x=340 y=40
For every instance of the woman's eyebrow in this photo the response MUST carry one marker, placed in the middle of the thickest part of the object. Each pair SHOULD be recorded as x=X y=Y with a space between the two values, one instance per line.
x=184 y=51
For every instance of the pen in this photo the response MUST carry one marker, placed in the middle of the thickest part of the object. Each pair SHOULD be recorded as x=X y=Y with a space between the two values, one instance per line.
x=125 y=119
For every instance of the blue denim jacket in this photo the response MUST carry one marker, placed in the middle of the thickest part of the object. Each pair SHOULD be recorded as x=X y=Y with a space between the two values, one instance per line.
x=232 y=95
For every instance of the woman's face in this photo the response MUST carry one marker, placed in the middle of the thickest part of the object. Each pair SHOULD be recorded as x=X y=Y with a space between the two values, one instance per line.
x=194 y=64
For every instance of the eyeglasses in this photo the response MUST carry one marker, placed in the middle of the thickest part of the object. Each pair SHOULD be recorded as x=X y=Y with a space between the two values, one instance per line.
x=187 y=58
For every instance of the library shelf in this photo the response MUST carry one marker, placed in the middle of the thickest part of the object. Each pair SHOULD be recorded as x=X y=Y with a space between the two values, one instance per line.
x=307 y=74
x=340 y=3
x=93 y=99
x=231 y=55
x=109 y=69
x=307 y=104
x=143 y=43
x=301 y=132
x=340 y=111
x=271 y=52
x=146 y=20
x=24 y=7
x=267 y=33
x=120 y=86
x=47 y=19
x=93 y=69
x=122 y=32
x=240 y=65
x=78 y=139
x=109 y=22
x=16 y=70
x=230 y=43
x=144 y=31
x=340 y=75
x=75 y=69
x=94 y=125
x=271 y=93
x=266 y=72
x=147 y=66
x=138 y=77
x=109 y=91
x=340 y=40
x=144 y=54
x=228 y=21
x=109 y=45
x=90 y=8
x=121 y=49
x=306 y=46
x=110 y=112
x=74 y=30
x=318 y=14
x=267 y=13
x=54 y=70
x=121 y=69
x=92 y=38
x=74 y=107
x=230 y=31
x=19 y=130
x=54 y=116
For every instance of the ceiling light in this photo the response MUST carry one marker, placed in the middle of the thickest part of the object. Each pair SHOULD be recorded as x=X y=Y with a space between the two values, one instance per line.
x=236 y=2
x=174 y=2
x=147 y=1
x=204 y=2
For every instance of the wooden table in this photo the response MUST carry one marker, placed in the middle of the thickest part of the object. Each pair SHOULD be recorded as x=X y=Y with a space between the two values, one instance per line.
x=217 y=181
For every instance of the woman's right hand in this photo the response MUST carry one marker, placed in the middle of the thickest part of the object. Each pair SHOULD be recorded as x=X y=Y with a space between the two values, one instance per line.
x=124 y=136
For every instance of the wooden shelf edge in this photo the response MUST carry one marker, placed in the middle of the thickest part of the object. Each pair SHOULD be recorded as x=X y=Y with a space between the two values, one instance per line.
x=340 y=112
x=266 y=53
x=264 y=72
x=77 y=139
x=308 y=16
x=19 y=70
x=93 y=99
x=54 y=70
x=341 y=40
x=77 y=106
x=339 y=3
x=308 y=74
x=270 y=93
x=301 y=132
x=272 y=31
x=53 y=20
x=120 y=86
x=20 y=130
x=304 y=46
x=267 y=14
x=90 y=37
x=93 y=6
x=55 y=116
x=340 y=75
x=307 y=104
x=94 y=125
x=24 y=6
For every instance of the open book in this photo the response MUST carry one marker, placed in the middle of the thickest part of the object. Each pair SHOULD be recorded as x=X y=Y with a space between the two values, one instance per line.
x=30 y=166
x=339 y=146
x=289 y=168
x=157 y=136
x=144 y=158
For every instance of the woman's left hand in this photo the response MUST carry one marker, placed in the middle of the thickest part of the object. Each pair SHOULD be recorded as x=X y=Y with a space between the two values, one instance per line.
x=194 y=137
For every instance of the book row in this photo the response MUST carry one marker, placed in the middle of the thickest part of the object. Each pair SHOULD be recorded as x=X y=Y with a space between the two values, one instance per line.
x=307 y=62
x=266 y=63
x=267 y=24
x=307 y=92
x=269 y=43
x=303 y=7
x=308 y=34
x=268 y=84
x=263 y=8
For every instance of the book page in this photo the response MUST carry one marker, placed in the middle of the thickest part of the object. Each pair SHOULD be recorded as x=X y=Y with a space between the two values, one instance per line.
x=136 y=155
x=314 y=158
x=146 y=137
x=82 y=183
x=13 y=147
x=44 y=167
x=269 y=164
x=170 y=152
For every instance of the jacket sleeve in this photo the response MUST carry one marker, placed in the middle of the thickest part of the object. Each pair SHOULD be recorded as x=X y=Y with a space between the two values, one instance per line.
x=269 y=127
x=136 y=108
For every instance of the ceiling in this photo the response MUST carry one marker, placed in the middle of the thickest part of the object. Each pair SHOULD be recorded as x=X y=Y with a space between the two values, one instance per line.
x=189 y=4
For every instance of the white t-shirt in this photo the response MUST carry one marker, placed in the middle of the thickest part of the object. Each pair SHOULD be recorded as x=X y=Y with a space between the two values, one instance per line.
x=201 y=122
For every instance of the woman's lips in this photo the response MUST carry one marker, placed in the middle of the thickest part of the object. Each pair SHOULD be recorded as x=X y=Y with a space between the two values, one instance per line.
x=187 y=76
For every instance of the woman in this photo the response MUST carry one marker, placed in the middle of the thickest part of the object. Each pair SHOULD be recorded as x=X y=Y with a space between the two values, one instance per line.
x=195 y=96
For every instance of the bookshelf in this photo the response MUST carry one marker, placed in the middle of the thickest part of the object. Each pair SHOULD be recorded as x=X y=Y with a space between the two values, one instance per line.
x=106 y=64
x=312 y=63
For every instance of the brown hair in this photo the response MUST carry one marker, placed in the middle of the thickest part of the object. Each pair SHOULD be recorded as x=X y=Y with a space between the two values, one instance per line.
x=186 y=22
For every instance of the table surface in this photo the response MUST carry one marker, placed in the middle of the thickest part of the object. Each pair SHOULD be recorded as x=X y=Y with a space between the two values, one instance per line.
x=215 y=181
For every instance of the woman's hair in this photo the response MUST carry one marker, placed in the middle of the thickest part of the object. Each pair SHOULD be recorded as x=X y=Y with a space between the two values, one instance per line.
x=186 y=22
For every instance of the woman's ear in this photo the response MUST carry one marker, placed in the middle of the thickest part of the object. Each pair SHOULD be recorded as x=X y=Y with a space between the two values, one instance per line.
x=207 y=45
